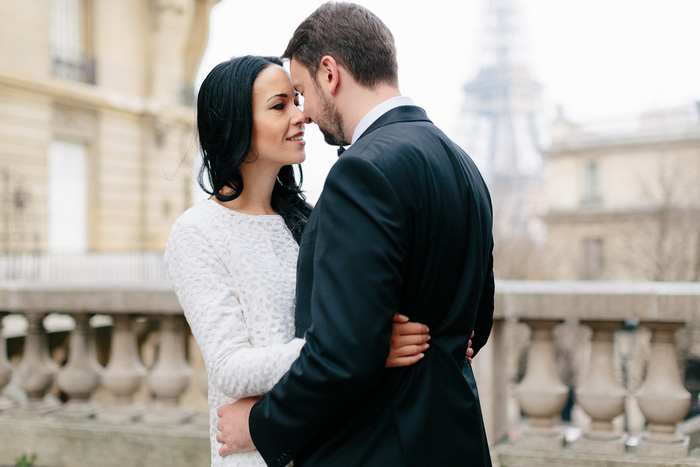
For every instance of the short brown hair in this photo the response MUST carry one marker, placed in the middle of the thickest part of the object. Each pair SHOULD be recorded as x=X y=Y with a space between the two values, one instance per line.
x=354 y=36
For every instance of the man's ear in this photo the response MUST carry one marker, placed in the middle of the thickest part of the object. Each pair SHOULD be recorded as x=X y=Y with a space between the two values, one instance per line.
x=328 y=74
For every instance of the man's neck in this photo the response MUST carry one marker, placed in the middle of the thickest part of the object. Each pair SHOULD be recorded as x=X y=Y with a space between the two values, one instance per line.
x=361 y=101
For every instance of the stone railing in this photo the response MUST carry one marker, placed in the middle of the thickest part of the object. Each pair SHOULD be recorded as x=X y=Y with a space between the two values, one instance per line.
x=93 y=268
x=132 y=411
x=540 y=438
x=101 y=416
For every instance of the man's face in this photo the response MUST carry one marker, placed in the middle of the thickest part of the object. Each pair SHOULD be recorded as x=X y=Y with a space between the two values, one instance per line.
x=317 y=105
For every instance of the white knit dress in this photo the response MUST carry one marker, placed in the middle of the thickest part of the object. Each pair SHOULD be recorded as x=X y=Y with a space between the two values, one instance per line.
x=234 y=275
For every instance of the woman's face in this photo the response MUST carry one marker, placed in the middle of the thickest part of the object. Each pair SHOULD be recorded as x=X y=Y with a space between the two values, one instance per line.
x=278 y=124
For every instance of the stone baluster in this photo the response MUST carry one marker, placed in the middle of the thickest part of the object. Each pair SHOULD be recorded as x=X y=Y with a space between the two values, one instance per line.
x=170 y=375
x=35 y=374
x=599 y=394
x=541 y=393
x=662 y=398
x=5 y=367
x=123 y=374
x=79 y=377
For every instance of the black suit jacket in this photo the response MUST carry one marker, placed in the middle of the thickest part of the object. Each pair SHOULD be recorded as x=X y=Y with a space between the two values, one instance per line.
x=403 y=225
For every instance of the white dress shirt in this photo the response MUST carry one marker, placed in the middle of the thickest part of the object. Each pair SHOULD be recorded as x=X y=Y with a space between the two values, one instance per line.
x=374 y=114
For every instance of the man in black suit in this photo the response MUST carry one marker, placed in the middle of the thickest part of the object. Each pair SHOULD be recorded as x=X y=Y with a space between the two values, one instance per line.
x=403 y=225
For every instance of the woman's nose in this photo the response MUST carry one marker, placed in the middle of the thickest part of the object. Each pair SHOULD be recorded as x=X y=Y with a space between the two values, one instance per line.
x=300 y=117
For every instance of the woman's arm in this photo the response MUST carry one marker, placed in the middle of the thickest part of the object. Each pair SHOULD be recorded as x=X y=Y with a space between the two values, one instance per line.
x=207 y=294
x=408 y=342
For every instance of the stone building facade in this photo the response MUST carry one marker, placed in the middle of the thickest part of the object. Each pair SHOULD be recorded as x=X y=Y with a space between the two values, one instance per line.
x=624 y=198
x=96 y=122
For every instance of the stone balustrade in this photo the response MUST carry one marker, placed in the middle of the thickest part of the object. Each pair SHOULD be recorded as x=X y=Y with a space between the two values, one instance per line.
x=104 y=405
x=602 y=400
x=134 y=400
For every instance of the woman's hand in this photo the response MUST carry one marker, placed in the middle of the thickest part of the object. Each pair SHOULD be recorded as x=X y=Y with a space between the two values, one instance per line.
x=470 y=351
x=408 y=342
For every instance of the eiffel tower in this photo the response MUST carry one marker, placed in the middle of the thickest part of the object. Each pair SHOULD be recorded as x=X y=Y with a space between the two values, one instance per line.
x=498 y=127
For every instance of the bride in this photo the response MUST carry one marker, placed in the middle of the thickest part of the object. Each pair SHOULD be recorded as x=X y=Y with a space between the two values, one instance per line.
x=232 y=258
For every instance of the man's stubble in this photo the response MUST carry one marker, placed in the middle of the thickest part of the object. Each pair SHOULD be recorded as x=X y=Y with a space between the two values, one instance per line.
x=331 y=123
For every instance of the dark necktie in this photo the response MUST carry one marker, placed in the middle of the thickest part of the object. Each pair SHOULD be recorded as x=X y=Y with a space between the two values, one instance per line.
x=341 y=150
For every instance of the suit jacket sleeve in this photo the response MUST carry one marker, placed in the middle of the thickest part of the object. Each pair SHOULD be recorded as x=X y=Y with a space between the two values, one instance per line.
x=484 y=314
x=358 y=259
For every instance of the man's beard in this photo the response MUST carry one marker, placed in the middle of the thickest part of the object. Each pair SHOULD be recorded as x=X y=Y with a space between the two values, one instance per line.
x=332 y=125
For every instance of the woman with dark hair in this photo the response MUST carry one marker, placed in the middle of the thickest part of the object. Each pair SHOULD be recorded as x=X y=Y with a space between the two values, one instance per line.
x=232 y=258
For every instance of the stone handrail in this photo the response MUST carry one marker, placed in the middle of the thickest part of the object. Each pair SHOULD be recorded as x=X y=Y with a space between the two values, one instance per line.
x=144 y=299
x=677 y=302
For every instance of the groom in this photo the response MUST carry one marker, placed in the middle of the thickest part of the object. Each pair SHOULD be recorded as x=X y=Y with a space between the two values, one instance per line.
x=403 y=226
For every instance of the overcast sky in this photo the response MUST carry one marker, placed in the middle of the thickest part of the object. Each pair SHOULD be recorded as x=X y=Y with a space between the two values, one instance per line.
x=598 y=59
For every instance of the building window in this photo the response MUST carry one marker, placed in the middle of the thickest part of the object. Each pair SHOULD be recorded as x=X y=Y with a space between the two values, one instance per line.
x=591 y=183
x=593 y=259
x=70 y=40
x=67 y=209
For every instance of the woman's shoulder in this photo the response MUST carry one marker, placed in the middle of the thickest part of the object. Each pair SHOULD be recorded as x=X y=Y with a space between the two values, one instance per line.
x=198 y=226
x=194 y=214
x=203 y=220
x=192 y=219
x=204 y=215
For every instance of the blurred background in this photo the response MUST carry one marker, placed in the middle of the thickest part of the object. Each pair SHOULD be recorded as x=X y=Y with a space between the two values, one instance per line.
x=584 y=118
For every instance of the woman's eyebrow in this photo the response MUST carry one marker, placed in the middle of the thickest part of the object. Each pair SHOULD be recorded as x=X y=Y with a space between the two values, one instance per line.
x=277 y=95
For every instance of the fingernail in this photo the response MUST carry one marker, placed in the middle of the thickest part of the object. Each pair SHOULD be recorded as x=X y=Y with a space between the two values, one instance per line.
x=403 y=317
x=426 y=346
x=421 y=355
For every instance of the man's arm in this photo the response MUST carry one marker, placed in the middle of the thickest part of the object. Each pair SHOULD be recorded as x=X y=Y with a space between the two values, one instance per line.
x=484 y=314
x=358 y=261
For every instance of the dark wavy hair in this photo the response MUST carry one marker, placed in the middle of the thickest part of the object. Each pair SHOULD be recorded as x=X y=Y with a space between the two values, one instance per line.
x=225 y=129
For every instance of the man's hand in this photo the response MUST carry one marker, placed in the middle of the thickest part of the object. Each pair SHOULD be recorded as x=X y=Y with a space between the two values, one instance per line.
x=234 y=433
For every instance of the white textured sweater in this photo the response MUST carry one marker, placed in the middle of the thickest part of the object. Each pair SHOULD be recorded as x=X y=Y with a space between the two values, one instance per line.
x=234 y=275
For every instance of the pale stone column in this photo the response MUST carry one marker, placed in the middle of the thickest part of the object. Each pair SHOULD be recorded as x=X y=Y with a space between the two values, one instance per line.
x=600 y=395
x=170 y=375
x=35 y=374
x=541 y=393
x=662 y=398
x=79 y=377
x=123 y=374
x=5 y=367
x=489 y=369
x=170 y=27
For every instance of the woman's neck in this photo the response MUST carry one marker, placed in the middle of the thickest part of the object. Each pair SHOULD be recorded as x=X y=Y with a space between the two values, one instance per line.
x=256 y=197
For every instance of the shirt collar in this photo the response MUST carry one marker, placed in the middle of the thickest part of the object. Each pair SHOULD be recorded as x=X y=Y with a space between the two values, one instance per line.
x=374 y=114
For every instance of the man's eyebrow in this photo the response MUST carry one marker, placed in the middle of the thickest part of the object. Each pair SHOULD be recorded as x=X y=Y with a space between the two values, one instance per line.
x=277 y=95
